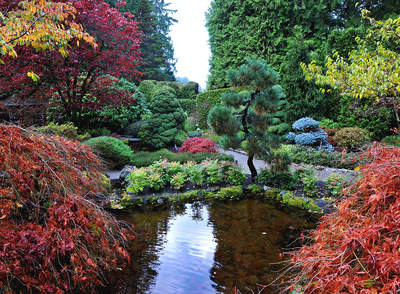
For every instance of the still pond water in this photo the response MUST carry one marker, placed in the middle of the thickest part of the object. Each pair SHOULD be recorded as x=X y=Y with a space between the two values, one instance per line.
x=208 y=248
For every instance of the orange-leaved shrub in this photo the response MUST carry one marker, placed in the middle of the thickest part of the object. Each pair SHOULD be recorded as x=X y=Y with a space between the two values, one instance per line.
x=54 y=238
x=356 y=249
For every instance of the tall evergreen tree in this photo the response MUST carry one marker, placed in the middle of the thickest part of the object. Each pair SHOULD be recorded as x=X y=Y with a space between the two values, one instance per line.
x=154 y=20
x=285 y=33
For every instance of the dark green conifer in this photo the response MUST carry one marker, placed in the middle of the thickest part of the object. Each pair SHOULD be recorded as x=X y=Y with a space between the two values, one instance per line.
x=244 y=117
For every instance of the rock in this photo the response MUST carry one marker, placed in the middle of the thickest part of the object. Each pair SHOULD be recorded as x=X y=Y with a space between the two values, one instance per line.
x=326 y=206
x=124 y=173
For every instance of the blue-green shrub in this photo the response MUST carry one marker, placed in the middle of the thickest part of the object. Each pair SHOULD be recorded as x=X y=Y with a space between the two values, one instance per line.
x=305 y=124
x=308 y=133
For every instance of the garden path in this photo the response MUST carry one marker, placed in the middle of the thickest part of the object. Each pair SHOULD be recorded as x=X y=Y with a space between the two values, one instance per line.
x=241 y=159
x=321 y=172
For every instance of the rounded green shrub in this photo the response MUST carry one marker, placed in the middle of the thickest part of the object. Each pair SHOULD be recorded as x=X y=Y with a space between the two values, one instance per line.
x=352 y=138
x=163 y=127
x=207 y=100
x=115 y=152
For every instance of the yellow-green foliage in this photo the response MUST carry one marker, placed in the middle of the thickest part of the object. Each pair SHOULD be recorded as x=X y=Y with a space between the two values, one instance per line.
x=67 y=130
x=371 y=71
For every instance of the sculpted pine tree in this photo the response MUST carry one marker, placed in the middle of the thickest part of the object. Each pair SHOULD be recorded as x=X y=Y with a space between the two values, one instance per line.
x=245 y=117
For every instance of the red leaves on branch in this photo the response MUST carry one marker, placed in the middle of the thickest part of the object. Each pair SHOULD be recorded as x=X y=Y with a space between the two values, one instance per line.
x=70 y=81
x=357 y=249
x=53 y=237
x=197 y=145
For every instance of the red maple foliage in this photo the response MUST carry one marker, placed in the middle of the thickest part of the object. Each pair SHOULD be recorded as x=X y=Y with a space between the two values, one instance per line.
x=72 y=82
x=356 y=249
x=54 y=238
x=197 y=145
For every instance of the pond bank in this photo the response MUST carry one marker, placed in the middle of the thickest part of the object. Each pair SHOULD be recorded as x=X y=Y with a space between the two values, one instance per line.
x=122 y=201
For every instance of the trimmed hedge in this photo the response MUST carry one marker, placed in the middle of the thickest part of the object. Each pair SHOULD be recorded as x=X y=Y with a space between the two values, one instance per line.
x=207 y=100
x=151 y=88
x=187 y=105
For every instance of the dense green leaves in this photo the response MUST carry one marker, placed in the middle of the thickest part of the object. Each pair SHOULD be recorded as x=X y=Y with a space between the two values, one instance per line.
x=285 y=34
x=154 y=20
x=166 y=122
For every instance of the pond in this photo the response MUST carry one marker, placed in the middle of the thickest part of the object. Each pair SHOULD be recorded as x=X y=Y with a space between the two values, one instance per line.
x=209 y=248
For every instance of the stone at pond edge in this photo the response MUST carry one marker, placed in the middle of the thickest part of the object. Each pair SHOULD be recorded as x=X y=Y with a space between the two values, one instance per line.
x=125 y=172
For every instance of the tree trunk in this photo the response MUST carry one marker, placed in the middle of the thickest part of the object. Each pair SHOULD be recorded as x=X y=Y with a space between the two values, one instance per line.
x=251 y=167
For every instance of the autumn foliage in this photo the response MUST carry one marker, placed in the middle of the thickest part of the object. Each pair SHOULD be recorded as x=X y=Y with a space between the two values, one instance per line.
x=77 y=80
x=197 y=145
x=356 y=250
x=54 y=238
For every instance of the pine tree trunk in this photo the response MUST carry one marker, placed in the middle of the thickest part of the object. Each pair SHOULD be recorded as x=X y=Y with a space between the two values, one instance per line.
x=252 y=167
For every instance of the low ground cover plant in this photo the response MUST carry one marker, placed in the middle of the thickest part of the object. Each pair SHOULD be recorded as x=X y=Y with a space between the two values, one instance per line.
x=352 y=138
x=163 y=174
x=54 y=238
x=115 y=152
x=300 y=154
x=198 y=145
x=67 y=130
x=355 y=249
x=143 y=158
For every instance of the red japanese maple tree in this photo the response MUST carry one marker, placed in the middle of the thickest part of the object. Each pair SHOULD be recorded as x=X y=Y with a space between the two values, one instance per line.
x=77 y=81
x=54 y=237
x=197 y=145
x=356 y=249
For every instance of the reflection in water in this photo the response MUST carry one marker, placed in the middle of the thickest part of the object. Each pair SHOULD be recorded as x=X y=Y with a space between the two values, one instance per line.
x=207 y=248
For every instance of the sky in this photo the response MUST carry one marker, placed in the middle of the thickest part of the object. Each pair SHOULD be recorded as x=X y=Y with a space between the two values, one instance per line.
x=190 y=38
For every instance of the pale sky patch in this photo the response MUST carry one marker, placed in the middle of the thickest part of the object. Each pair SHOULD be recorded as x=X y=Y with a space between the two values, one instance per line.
x=190 y=38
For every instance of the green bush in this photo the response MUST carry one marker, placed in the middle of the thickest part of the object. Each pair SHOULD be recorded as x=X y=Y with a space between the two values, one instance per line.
x=330 y=124
x=278 y=176
x=180 y=137
x=299 y=154
x=143 y=159
x=270 y=178
x=115 y=152
x=392 y=140
x=351 y=138
x=165 y=123
x=151 y=88
x=205 y=101
x=188 y=105
x=67 y=130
